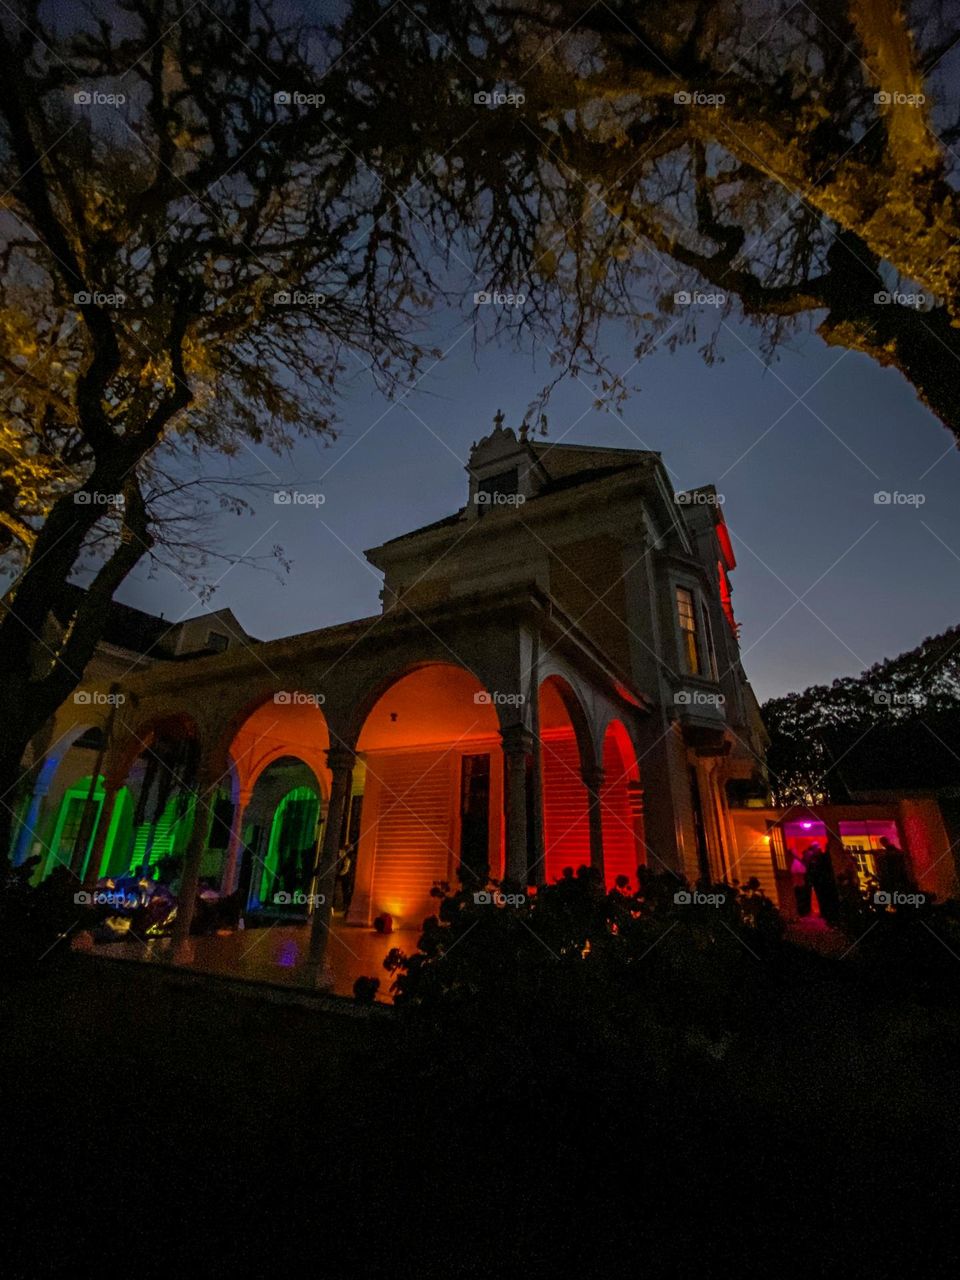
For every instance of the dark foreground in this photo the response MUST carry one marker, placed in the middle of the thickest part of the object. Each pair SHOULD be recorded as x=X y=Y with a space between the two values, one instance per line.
x=159 y=1127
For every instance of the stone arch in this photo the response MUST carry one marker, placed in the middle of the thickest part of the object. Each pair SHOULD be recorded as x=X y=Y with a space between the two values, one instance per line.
x=382 y=683
x=621 y=806
x=126 y=749
x=429 y=749
x=577 y=713
x=163 y=790
x=567 y=757
x=289 y=722
x=41 y=796
x=280 y=824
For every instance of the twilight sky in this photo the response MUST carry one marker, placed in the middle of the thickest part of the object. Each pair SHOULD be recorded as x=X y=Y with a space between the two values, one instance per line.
x=828 y=581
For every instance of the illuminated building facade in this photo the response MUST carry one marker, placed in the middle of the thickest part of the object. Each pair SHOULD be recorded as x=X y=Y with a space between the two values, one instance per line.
x=554 y=680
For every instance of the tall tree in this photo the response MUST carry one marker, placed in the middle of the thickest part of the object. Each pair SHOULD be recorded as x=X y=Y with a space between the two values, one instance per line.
x=194 y=247
x=895 y=725
x=796 y=161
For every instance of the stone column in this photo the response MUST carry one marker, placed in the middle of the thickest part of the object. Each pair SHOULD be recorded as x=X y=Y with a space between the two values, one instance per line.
x=667 y=812
x=228 y=881
x=206 y=795
x=517 y=745
x=361 y=906
x=538 y=872
x=92 y=873
x=340 y=761
x=593 y=781
x=635 y=793
x=710 y=792
x=25 y=836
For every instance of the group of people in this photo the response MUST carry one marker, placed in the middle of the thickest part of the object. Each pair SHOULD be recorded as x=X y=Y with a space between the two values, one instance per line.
x=831 y=875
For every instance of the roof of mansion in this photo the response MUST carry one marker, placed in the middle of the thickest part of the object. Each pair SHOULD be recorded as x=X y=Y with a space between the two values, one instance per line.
x=565 y=467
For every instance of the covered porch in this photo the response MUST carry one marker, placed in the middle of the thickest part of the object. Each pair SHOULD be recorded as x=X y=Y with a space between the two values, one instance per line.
x=339 y=776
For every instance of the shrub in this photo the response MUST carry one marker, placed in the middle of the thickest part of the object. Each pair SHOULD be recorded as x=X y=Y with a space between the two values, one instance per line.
x=575 y=954
x=37 y=920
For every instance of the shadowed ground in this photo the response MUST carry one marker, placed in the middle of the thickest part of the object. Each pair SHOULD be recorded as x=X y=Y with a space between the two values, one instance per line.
x=276 y=953
x=162 y=1124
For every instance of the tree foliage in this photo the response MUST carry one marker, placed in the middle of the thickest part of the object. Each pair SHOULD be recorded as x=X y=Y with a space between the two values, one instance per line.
x=897 y=724
x=198 y=243
x=796 y=160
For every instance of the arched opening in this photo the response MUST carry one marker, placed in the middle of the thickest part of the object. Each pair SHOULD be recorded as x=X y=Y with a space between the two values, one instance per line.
x=160 y=781
x=433 y=807
x=277 y=754
x=63 y=812
x=566 y=822
x=38 y=832
x=621 y=807
x=78 y=814
x=290 y=723
x=279 y=839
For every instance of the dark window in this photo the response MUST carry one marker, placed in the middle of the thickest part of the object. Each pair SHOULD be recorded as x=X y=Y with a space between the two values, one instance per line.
x=492 y=488
x=699 y=827
x=219 y=837
x=474 y=819
x=217 y=641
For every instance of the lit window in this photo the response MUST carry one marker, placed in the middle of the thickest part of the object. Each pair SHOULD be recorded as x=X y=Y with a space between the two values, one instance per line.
x=689 y=633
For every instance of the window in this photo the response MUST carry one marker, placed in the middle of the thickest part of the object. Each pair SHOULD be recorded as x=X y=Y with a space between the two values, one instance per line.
x=498 y=490
x=709 y=652
x=217 y=641
x=689 y=632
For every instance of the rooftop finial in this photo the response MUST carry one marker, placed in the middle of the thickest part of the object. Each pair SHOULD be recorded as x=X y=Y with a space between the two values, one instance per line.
x=498 y=420
x=524 y=430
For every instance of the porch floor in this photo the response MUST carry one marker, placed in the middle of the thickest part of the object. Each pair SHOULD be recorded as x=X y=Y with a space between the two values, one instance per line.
x=813 y=932
x=275 y=953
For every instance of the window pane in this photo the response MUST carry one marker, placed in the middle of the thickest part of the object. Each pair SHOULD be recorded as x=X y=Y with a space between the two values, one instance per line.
x=687 y=616
x=492 y=490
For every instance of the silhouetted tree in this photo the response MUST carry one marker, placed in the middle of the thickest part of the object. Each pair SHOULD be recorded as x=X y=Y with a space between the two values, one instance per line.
x=199 y=236
x=897 y=724
x=796 y=160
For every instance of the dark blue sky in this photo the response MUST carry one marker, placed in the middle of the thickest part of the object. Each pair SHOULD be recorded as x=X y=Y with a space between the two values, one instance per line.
x=799 y=481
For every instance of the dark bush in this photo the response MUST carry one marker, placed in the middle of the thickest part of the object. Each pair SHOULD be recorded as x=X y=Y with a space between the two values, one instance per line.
x=37 y=921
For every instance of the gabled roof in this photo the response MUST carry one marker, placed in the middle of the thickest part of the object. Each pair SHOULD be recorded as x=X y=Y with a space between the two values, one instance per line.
x=567 y=459
x=427 y=528
x=567 y=466
x=126 y=627
x=123 y=626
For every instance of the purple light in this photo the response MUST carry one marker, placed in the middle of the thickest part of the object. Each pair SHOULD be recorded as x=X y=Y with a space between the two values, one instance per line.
x=806 y=825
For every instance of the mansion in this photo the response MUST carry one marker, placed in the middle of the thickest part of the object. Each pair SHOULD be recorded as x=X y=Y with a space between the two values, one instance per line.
x=554 y=680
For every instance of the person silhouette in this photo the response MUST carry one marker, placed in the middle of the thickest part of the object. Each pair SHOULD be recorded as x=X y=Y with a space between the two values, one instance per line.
x=820 y=878
x=893 y=872
x=801 y=885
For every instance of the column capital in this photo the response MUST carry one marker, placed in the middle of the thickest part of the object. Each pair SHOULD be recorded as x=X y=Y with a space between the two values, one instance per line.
x=593 y=777
x=208 y=776
x=516 y=740
x=341 y=759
